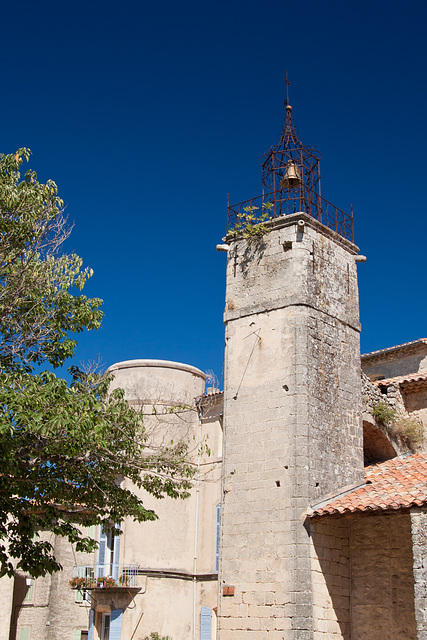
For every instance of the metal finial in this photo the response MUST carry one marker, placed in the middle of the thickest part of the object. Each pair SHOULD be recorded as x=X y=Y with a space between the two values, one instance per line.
x=287 y=88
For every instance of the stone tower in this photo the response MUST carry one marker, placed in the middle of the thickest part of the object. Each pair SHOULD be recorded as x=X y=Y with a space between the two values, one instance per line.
x=292 y=430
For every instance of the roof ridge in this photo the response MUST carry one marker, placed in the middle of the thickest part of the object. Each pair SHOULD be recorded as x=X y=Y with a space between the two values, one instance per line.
x=395 y=347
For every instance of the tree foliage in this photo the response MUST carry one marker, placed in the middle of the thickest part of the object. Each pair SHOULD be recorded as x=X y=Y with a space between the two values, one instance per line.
x=64 y=447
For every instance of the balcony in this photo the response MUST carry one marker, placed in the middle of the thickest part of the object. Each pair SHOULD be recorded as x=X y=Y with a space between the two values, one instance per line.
x=116 y=576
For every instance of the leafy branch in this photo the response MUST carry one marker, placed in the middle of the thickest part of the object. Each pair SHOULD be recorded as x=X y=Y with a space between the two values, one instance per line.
x=251 y=225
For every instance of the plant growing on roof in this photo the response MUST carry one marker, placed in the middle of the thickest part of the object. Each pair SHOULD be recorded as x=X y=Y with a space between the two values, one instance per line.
x=384 y=413
x=251 y=225
x=410 y=431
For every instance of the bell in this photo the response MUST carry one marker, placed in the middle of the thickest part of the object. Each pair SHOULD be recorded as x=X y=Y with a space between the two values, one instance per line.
x=291 y=179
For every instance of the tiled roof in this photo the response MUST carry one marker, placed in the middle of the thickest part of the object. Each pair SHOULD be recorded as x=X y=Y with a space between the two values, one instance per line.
x=396 y=484
x=212 y=392
x=213 y=397
x=420 y=376
x=406 y=346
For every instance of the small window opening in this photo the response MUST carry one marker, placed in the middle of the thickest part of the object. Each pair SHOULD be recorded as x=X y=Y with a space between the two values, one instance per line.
x=105 y=626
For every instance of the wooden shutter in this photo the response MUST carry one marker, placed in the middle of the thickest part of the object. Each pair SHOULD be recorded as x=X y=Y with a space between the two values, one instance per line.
x=205 y=623
x=91 y=531
x=91 y=624
x=78 y=594
x=116 y=557
x=217 y=536
x=116 y=624
x=102 y=538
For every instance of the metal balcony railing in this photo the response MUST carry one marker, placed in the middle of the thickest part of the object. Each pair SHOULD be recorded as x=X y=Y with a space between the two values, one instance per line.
x=113 y=576
x=282 y=203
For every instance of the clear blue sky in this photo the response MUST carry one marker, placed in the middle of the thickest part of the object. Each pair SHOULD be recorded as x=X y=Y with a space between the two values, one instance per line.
x=147 y=113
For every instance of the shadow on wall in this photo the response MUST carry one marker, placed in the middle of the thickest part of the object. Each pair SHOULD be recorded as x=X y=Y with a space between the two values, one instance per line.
x=252 y=254
x=331 y=577
x=377 y=446
x=369 y=557
x=21 y=593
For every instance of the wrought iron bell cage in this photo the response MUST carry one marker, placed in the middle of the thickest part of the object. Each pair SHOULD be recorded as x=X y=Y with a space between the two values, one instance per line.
x=291 y=184
x=277 y=162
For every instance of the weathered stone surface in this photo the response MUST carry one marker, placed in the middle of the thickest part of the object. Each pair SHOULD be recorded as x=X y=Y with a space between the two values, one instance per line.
x=291 y=417
x=331 y=579
x=419 y=551
x=382 y=583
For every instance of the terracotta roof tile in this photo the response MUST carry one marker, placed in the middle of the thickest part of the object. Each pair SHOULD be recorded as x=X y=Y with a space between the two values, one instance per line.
x=419 y=376
x=212 y=392
x=399 y=483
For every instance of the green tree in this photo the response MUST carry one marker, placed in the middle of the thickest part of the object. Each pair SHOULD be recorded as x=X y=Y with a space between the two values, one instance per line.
x=63 y=446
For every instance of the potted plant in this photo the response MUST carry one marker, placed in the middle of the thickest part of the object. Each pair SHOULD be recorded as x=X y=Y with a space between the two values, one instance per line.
x=124 y=580
x=77 y=582
x=106 y=582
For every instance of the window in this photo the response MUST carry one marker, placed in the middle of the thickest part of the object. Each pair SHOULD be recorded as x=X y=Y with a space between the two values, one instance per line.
x=105 y=626
x=111 y=625
x=24 y=633
x=29 y=591
x=79 y=594
x=217 y=536
x=108 y=625
x=108 y=554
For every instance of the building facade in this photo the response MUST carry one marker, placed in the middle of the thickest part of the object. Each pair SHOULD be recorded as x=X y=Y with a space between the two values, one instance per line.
x=308 y=519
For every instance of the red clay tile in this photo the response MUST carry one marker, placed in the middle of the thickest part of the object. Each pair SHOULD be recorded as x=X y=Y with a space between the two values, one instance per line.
x=395 y=484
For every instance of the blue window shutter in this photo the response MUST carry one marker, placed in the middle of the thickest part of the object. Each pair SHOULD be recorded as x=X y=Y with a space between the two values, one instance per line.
x=205 y=623
x=91 y=624
x=78 y=594
x=102 y=541
x=116 y=557
x=217 y=537
x=116 y=624
x=91 y=531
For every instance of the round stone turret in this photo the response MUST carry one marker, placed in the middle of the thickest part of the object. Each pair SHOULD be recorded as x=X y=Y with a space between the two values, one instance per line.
x=158 y=382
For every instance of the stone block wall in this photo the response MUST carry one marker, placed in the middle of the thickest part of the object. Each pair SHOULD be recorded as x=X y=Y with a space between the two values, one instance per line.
x=292 y=429
x=331 y=579
x=419 y=550
x=6 y=601
x=382 y=583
